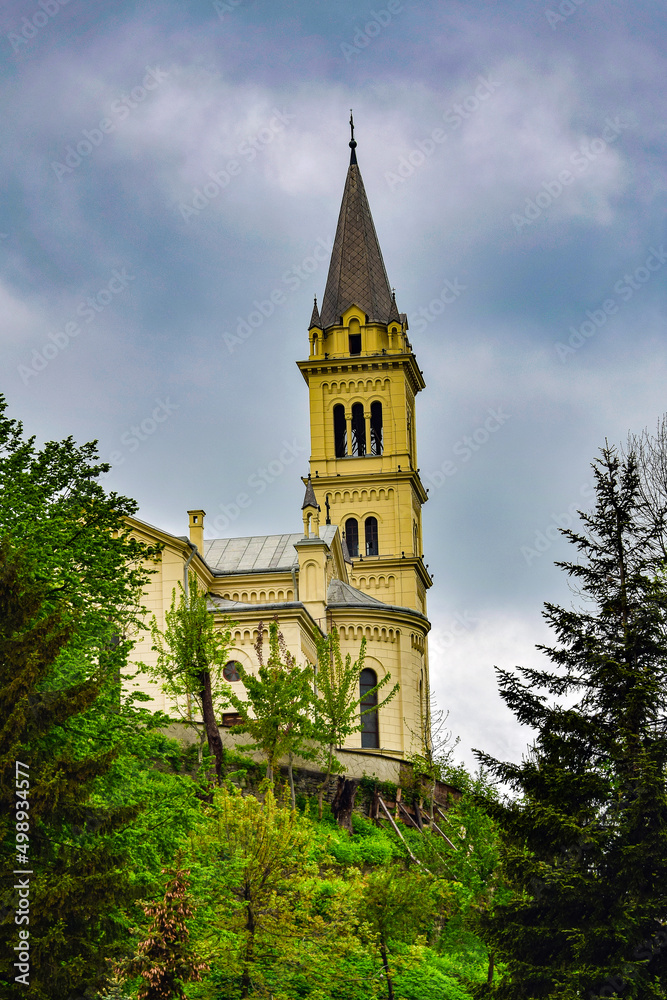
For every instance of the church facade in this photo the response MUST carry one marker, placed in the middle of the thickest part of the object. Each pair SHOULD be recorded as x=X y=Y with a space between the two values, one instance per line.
x=356 y=561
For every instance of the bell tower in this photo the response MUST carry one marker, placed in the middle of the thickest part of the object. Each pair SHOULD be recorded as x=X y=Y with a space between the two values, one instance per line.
x=363 y=380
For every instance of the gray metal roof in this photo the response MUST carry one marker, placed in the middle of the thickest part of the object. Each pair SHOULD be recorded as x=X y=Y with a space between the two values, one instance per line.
x=357 y=274
x=343 y=595
x=258 y=553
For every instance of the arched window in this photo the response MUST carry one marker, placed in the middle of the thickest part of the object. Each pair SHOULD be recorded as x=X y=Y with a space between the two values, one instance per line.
x=315 y=343
x=340 y=431
x=355 y=337
x=370 y=730
x=358 y=430
x=376 y=428
x=352 y=537
x=371 y=527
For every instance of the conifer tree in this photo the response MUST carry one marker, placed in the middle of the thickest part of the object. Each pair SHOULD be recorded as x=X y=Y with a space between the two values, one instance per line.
x=166 y=961
x=76 y=877
x=586 y=840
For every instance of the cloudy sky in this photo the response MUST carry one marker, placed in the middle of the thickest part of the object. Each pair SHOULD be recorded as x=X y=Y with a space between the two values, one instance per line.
x=170 y=167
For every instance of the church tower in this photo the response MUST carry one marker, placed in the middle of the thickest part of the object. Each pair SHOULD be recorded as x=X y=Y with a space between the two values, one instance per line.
x=363 y=380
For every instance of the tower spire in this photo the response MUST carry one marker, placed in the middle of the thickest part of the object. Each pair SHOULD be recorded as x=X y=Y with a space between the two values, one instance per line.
x=357 y=274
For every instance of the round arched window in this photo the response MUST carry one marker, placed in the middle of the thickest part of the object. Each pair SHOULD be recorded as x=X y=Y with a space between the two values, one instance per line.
x=231 y=672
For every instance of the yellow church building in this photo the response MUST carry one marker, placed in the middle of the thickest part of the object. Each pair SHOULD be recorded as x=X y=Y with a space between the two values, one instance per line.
x=356 y=561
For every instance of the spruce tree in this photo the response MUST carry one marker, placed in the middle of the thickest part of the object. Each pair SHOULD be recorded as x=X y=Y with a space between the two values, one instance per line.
x=165 y=959
x=585 y=840
x=52 y=828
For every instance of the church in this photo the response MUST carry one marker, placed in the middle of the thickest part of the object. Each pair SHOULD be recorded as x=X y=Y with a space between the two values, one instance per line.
x=355 y=561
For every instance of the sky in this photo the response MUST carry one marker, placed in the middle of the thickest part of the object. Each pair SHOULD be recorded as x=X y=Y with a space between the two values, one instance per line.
x=173 y=174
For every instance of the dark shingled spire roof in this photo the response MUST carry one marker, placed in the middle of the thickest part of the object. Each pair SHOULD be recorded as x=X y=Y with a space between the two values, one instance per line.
x=310 y=500
x=315 y=318
x=394 y=316
x=356 y=273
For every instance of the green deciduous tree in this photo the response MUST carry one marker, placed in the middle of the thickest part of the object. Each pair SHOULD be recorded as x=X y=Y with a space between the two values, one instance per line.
x=279 y=699
x=397 y=905
x=255 y=860
x=337 y=705
x=192 y=651
x=586 y=841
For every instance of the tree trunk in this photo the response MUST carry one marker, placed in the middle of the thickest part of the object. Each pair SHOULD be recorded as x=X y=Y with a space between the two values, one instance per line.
x=325 y=783
x=343 y=801
x=290 y=776
x=418 y=814
x=385 y=963
x=489 y=975
x=249 y=949
x=211 y=726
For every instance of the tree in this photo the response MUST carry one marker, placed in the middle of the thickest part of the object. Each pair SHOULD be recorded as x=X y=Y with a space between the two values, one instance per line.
x=433 y=758
x=275 y=715
x=338 y=711
x=69 y=555
x=75 y=535
x=191 y=654
x=650 y=452
x=397 y=905
x=585 y=843
x=166 y=961
x=53 y=827
x=256 y=865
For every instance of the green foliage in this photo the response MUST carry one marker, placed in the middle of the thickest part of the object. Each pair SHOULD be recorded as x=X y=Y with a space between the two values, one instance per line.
x=71 y=580
x=337 y=706
x=279 y=697
x=56 y=511
x=254 y=868
x=585 y=844
x=191 y=646
x=165 y=959
x=78 y=878
x=429 y=981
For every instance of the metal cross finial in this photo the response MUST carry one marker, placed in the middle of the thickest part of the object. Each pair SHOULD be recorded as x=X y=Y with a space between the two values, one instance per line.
x=328 y=507
x=353 y=143
x=351 y=126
